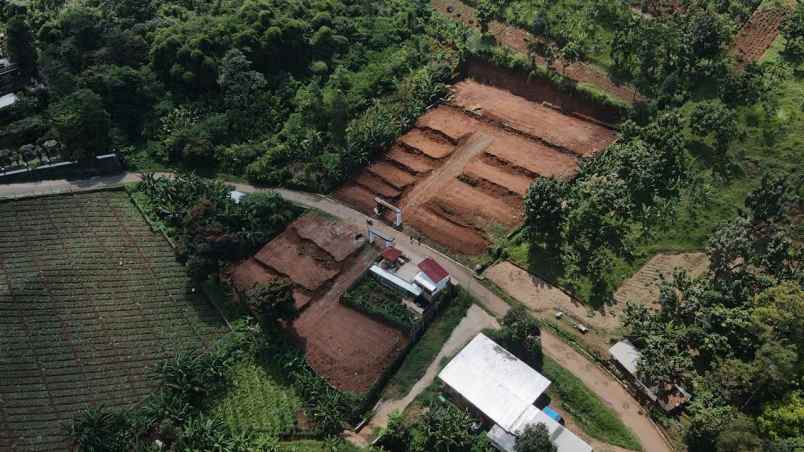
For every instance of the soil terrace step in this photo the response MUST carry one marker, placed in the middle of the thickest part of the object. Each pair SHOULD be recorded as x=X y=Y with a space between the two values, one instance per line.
x=416 y=163
x=376 y=185
x=428 y=142
x=391 y=174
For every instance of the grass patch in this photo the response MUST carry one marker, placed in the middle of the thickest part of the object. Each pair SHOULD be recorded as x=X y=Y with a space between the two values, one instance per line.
x=258 y=400
x=596 y=419
x=425 y=351
x=317 y=446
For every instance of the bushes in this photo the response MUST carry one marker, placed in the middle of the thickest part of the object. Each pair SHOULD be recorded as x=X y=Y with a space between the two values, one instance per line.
x=519 y=334
x=376 y=300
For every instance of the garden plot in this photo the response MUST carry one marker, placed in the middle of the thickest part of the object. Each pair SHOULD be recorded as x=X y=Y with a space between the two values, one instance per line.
x=644 y=286
x=462 y=171
x=323 y=258
x=90 y=300
x=757 y=35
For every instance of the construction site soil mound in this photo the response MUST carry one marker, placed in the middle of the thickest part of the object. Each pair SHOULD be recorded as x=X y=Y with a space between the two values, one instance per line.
x=249 y=273
x=391 y=174
x=449 y=122
x=480 y=169
x=758 y=34
x=537 y=89
x=462 y=239
x=339 y=240
x=414 y=163
x=534 y=120
x=376 y=185
x=358 y=196
x=304 y=263
x=433 y=145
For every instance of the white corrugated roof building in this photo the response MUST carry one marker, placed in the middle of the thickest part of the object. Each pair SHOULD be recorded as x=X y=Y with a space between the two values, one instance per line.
x=504 y=389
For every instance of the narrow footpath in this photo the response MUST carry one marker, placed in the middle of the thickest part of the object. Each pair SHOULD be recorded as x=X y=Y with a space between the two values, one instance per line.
x=596 y=379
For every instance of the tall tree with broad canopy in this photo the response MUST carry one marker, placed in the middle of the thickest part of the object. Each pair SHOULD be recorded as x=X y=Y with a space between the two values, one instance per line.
x=534 y=438
x=82 y=125
x=20 y=45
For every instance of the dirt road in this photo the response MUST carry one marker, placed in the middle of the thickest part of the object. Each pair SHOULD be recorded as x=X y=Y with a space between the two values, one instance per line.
x=597 y=380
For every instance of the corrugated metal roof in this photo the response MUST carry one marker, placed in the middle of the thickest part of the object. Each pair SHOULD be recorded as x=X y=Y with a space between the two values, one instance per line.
x=433 y=270
x=563 y=439
x=391 y=254
x=494 y=381
x=425 y=282
x=626 y=354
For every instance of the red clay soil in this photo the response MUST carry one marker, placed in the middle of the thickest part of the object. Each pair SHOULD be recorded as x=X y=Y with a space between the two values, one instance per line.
x=415 y=163
x=758 y=34
x=336 y=238
x=501 y=107
x=376 y=185
x=349 y=349
x=304 y=263
x=427 y=142
x=479 y=168
x=358 y=197
x=462 y=239
x=391 y=174
x=530 y=155
x=301 y=298
x=517 y=39
x=538 y=89
x=450 y=122
x=248 y=273
x=473 y=207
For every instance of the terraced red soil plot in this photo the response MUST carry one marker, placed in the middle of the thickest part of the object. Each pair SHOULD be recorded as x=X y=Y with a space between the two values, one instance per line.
x=339 y=240
x=479 y=168
x=532 y=156
x=391 y=174
x=758 y=34
x=305 y=264
x=357 y=196
x=415 y=163
x=248 y=274
x=463 y=240
x=428 y=143
x=91 y=300
x=450 y=122
x=473 y=207
x=376 y=185
x=502 y=107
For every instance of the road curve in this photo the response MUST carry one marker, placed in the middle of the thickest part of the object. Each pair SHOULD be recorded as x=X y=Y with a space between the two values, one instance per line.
x=597 y=380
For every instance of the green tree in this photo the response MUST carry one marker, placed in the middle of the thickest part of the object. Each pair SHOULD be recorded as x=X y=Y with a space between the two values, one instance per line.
x=20 y=45
x=82 y=125
x=242 y=88
x=544 y=210
x=485 y=12
x=793 y=31
x=739 y=435
x=534 y=438
x=444 y=428
x=785 y=418
x=274 y=300
x=714 y=119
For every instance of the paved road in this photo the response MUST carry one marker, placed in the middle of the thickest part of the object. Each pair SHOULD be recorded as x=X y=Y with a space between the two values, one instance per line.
x=596 y=379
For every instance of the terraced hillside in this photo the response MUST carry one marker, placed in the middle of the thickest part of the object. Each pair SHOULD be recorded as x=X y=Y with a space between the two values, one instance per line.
x=90 y=300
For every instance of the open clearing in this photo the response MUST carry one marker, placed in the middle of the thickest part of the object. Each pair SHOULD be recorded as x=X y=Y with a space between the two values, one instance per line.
x=324 y=258
x=757 y=35
x=90 y=300
x=462 y=171
x=644 y=286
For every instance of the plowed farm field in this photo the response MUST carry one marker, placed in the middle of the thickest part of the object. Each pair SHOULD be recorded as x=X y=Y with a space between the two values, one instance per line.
x=758 y=34
x=463 y=170
x=90 y=300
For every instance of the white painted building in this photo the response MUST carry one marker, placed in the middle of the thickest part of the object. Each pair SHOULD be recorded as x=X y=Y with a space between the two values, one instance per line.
x=504 y=389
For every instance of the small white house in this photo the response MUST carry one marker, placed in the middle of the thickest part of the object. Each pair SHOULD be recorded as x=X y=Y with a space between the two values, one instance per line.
x=432 y=277
x=504 y=389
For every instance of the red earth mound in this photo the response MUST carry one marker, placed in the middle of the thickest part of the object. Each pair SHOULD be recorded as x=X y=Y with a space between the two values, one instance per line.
x=450 y=122
x=472 y=207
x=248 y=274
x=307 y=266
x=357 y=196
x=427 y=142
x=502 y=107
x=415 y=163
x=391 y=174
x=481 y=169
x=376 y=185
x=446 y=233
x=336 y=238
